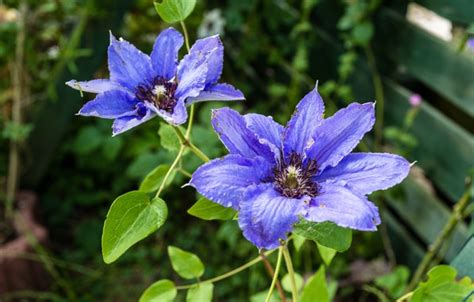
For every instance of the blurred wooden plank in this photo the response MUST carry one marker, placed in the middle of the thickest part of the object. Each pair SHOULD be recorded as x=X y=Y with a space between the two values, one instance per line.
x=408 y=251
x=460 y=11
x=429 y=59
x=427 y=215
x=52 y=119
x=464 y=261
x=445 y=150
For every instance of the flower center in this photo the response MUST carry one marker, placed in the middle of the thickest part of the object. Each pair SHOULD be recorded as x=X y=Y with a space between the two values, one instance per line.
x=293 y=178
x=160 y=93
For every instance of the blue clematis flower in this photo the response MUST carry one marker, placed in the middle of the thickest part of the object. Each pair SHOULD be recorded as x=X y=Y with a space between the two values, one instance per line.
x=141 y=86
x=276 y=175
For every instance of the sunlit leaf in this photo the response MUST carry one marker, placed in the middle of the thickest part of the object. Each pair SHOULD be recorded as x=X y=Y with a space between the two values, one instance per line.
x=325 y=233
x=442 y=286
x=186 y=264
x=174 y=10
x=160 y=291
x=316 y=288
x=326 y=253
x=200 y=293
x=168 y=137
x=286 y=282
x=208 y=210
x=298 y=241
x=153 y=180
x=131 y=218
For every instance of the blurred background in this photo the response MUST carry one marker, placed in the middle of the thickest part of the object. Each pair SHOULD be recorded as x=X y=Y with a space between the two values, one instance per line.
x=59 y=172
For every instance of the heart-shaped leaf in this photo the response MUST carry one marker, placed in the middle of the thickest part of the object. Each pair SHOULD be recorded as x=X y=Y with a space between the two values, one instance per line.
x=131 y=218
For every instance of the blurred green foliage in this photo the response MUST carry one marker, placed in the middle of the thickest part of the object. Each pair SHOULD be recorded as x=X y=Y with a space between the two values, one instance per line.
x=270 y=55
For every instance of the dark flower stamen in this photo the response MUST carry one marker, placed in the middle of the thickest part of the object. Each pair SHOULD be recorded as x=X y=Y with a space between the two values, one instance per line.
x=293 y=178
x=160 y=93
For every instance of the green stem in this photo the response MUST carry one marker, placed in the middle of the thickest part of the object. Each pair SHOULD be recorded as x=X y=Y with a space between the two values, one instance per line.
x=187 y=143
x=198 y=152
x=170 y=170
x=275 y=275
x=184 y=172
x=228 y=274
x=404 y=297
x=291 y=272
x=186 y=36
x=190 y=123
x=379 y=96
x=445 y=233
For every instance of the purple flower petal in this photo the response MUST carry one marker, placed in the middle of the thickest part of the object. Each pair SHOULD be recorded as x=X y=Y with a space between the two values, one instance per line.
x=338 y=135
x=125 y=123
x=128 y=66
x=266 y=217
x=94 y=86
x=338 y=204
x=192 y=72
x=212 y=49
x=178 y=117
x=238 y=139
x=368 y=172
x=110 y=104
x=306 y=118
x=265 y=128
x=218 y=92
x=164 y=57
x=224 y=180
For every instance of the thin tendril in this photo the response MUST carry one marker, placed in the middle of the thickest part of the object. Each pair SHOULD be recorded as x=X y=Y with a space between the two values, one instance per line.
x=275 y=276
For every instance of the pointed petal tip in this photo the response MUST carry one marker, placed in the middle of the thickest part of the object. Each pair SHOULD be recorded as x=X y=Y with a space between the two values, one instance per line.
x=112 y=37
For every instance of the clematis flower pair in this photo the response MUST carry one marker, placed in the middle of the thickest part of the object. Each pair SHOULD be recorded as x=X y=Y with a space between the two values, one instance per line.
x=141 y=86
x=276 y=175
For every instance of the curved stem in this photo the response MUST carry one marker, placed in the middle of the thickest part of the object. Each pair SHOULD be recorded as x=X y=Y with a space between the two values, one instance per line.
x=228 y=274
x=170 y=170
x=190 y=123
x=275 y=275
x=271 y=272
x=291 y=272
x=404 y=297
x=198 y=152
x=186 y=36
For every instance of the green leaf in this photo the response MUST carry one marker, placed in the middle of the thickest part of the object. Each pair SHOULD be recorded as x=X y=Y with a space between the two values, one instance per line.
x=298 y=241
x=200 y=293
x=394 y=282
x=153 y=180
x=160 y=291
x=442 y=286
x=174 y=10
x=286 y=282
x=316 y=288
x=186 y=264
x=208 y=210
x=261 y=296
x=325 y=233
x=326 y=253
x=131 y=218
x=168 y=137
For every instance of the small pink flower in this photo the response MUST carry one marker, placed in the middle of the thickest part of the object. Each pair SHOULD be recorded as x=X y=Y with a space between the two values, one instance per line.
x=415 y=100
